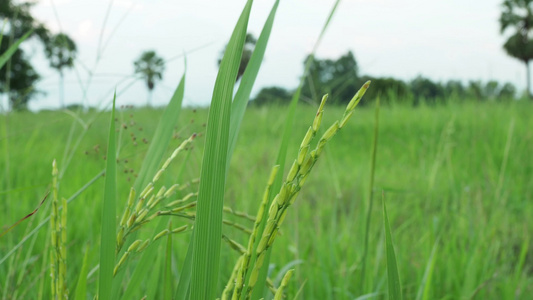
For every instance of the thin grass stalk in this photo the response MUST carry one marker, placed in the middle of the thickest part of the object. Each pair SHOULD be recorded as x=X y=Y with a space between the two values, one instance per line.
x=370 y=197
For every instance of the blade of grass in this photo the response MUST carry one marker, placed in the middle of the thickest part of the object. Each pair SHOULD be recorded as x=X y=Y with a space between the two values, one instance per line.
x=36 y=229
x=182 y=291
x=425 y=285
x=247 y=82
x=370 y=197
x=108 y=232
x=282 y=154
x=81 y=286
x=154 y=156
x=11 y=50
x=395 y=288
x=208 y=223
x=167 y=278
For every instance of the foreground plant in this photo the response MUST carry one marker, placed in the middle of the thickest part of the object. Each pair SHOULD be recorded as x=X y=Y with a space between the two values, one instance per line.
x=298 y=174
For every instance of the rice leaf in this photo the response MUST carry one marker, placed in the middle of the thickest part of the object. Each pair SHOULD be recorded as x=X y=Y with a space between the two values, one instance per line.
x=395 y=288
x=247 y=81
x=151 y=163
x=184 y=281
x=11 y=50
x=108 y=232
x=282 y=155
x=81 y=286
x=208 y=224
x=425 y=285
x=167 y=278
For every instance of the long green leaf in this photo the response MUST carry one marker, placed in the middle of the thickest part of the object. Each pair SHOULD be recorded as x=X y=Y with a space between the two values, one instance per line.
x=395 y=288
x=185 y=276
x=154 y=156
x=81 y=286
x=208 y=224
x=247 y=81
x=108 y=232
x=282 y=155
x=11 y=50
x=425 y=285
x=167 y=267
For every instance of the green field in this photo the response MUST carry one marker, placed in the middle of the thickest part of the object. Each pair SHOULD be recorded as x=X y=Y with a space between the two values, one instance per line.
x=457 y=179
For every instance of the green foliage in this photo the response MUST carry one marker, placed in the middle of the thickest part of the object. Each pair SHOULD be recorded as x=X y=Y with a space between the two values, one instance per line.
x=518 y=16
x=19 y=77
x=272 y=95
x=61 y=51
x=327 y=76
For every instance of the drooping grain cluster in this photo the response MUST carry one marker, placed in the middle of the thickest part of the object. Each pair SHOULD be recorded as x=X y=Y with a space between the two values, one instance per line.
x=290 y=189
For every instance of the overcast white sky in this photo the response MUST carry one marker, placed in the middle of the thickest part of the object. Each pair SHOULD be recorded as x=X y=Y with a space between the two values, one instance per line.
x=401 y=38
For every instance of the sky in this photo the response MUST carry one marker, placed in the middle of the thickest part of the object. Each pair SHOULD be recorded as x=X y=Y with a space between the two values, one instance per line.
x=442 y=40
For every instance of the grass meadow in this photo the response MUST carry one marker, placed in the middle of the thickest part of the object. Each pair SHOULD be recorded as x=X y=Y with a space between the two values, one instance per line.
x=457 y=180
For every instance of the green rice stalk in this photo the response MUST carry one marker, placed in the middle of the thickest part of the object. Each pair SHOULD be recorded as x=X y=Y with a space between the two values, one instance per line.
x=284 y=282
x=293 y=183
x=370 y=196
x=228 y=289
x=245 y=264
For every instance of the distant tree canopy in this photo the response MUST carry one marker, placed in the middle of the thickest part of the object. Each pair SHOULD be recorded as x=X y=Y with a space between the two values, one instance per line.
x=340 y=78
x=335 y=77
x=518 y=16
x=18 y=77
x=151 y=67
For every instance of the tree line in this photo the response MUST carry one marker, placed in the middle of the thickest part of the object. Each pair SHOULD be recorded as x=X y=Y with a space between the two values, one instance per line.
x=340 y=79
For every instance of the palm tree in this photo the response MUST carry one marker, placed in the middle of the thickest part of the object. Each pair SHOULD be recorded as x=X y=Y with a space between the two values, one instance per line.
x=61 y=51
x=151 y=68
x=518 y=15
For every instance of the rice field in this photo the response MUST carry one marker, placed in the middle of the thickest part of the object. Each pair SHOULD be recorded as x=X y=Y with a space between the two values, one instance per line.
x=457 y=181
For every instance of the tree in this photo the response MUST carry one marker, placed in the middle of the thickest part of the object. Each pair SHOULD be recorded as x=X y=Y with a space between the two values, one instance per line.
x=387 y=88
x=151 y=68
x=248 y=49
x=336 y=77
x=518 y=15
x=424 y=89
x=61 y=51
x=270 y=95
x=17 y=78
